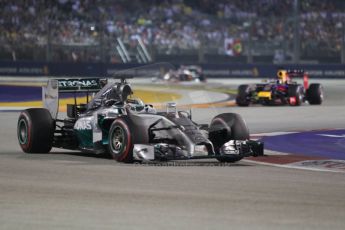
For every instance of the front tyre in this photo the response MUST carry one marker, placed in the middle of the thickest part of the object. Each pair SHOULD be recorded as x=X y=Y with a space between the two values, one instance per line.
x=225 y=127
x=243 y=95
x=315 y=94
x=296 y=94
x=35 y=130
x=121 y=141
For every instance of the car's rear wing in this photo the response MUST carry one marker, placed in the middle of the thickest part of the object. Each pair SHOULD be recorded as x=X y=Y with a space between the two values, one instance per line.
x=297 y=73
x=50 y=92
x=50 y=97
x=81 y=85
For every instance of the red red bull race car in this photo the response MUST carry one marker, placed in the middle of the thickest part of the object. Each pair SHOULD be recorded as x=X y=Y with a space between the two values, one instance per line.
x=282 y=91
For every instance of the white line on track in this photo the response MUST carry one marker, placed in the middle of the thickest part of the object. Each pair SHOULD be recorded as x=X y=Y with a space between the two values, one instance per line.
x=291 y=166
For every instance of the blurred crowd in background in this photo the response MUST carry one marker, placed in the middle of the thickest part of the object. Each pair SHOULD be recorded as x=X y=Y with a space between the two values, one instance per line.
x=76 y=30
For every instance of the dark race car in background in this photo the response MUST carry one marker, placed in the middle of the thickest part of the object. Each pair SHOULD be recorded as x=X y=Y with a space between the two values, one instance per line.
x=282 y=91
x=115 y=122
x=186 y=73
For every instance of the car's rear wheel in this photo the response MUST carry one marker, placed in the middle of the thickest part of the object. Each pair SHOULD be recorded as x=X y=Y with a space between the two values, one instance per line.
x=296 y=94
x=35 y=130
x=225 y=127
x=315 y=94
x=202 y=78
x=243 y=95
x=121 y=141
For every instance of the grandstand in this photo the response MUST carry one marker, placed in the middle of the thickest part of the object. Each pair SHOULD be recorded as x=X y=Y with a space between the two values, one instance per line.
x=119 y=31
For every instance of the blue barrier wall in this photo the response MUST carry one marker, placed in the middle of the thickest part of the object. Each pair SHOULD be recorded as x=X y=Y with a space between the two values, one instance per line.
x=210 y=70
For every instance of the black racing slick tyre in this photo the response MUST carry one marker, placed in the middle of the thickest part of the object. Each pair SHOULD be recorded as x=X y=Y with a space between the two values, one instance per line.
x=315 y=94
x=225 y=127
x=121 y=141
x=296 y=92
x=35 y=130
x=202 y=78
x=243 y=95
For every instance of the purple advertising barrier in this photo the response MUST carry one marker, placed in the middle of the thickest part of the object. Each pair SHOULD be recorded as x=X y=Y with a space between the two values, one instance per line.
x=11 y=93
x=328 y=144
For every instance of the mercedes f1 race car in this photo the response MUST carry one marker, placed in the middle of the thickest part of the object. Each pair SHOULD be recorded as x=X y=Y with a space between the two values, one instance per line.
x=115 y=122
x=281 y=91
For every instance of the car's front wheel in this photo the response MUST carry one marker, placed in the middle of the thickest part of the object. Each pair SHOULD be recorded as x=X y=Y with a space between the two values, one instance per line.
x=225 y=127
x=315 y=94
x=243 y=95
x=296 y=94
x=121 y=141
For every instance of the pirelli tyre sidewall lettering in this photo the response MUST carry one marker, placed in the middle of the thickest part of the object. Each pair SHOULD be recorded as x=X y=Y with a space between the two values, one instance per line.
x=120 y=127
x=24 y=131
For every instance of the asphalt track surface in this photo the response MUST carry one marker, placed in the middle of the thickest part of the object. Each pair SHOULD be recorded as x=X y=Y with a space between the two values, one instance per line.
x=66 y=190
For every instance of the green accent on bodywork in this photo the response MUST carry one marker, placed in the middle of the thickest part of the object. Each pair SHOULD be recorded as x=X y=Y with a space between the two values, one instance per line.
x=105 y=129
x=85 y=138
x=105 y=135
x=100 y=120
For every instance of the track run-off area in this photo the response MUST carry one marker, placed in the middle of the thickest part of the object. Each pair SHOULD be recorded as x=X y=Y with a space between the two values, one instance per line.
x=70 y=190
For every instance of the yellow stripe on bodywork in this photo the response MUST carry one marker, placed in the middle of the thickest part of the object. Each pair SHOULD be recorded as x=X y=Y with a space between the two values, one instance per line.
x=265 y=94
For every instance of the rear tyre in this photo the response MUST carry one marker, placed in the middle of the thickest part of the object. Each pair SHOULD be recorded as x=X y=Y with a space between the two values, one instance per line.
x=35 y=130
x=315 y=94
x=297 y=93
x=121 y=141
x=202 y=78
x=243 y=95
x=225 y=127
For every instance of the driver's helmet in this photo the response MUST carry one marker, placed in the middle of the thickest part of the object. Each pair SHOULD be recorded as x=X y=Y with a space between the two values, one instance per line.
x=283 y=76
x=135 y=104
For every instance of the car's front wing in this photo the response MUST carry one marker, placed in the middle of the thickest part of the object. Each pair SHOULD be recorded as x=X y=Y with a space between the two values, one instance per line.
x=162 y=151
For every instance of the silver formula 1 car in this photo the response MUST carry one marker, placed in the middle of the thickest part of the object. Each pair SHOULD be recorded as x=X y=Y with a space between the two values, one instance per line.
x=114 y=122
